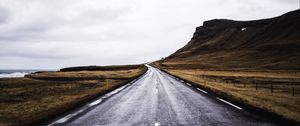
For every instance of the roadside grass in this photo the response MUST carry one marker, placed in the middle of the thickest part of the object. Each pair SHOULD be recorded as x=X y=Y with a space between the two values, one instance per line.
x=40 y=96
x=85 y=75
x=220 y=66
x=271 y=91
x=100 y=68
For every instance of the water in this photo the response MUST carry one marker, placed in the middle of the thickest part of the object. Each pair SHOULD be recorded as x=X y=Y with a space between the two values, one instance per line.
x=15 y=73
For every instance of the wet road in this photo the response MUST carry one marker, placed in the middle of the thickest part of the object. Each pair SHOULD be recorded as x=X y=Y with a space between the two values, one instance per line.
x=157 y=99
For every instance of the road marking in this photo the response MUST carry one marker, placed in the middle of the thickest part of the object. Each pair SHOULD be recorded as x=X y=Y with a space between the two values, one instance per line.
x=96 y=102
x=62 y=120
x=202 y=90
x=188 y=84
x=114 y=92
x=66 y=118
x=156 y=91
x=229 y=103
x=157 y=124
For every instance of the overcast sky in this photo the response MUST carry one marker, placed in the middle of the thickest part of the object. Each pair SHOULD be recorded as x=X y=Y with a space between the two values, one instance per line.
x=51 y=34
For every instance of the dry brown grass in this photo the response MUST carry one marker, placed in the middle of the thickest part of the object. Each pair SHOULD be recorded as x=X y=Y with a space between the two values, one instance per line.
x=243 y=90
x=293 y=76
x=85 y=75
x=24 y=101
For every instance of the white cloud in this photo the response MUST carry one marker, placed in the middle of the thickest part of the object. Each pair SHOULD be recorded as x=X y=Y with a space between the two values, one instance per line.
x=60 y=33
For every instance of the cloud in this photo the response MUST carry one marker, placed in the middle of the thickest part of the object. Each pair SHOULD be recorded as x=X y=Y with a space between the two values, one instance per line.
x=61 y=33
x=49 y=21
x=4 y=15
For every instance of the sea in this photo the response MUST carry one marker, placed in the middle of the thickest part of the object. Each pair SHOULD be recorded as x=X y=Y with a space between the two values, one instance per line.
x=15 y=73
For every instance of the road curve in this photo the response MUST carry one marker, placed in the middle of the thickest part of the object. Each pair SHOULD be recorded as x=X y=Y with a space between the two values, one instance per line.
x=157 y=99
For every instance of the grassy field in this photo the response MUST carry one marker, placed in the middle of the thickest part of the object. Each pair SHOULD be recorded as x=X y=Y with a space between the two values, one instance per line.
x=102 y=68
x=277 y=92
x=40 y=96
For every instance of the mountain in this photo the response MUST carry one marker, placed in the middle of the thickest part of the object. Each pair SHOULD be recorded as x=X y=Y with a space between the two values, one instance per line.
x=221 y=44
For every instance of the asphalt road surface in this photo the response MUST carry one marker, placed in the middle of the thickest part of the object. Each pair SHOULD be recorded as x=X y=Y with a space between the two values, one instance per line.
x=157 y=99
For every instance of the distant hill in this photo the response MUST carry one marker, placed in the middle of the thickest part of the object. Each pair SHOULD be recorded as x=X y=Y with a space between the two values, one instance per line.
x=267 y=44
x=101 y=68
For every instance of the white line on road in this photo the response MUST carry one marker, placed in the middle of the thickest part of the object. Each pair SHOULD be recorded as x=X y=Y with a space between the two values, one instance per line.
x=96 y=102
x=66 y=118
x=157 y=124
x=229 y=103
x=62 y=120
x=202 y=90
x=156 y=91
x=188 y=84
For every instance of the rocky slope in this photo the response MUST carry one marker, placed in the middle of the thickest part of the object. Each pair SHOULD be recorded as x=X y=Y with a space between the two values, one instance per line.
x=267 y=44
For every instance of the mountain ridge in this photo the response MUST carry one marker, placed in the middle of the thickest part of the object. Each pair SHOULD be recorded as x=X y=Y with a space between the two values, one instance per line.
x=266 y=44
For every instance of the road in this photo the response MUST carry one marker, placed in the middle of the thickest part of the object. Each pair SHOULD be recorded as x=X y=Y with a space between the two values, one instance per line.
x=157 y=99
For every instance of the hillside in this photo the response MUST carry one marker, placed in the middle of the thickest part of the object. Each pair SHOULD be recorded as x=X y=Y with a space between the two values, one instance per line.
x=220 y=44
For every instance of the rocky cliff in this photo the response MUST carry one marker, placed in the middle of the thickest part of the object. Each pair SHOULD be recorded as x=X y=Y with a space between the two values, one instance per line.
x=267 y=44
